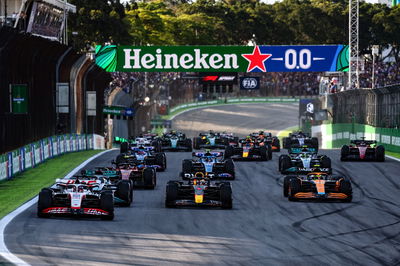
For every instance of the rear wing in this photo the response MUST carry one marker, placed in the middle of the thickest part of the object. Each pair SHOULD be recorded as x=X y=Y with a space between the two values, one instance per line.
x=361 y=141
x=203 y=154
x=295 y=149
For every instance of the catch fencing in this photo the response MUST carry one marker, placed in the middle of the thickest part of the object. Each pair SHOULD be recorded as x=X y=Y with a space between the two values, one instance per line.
x=29 y=156
x=375 y=107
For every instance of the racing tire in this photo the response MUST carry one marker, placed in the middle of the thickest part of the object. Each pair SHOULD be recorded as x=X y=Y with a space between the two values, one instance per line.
x=380 y=153
x=326 y=162
x=196 y=143
x=120 y=158
x=187 y=166
x=161 y=160
x=286 y=143
x=344 y=152
x=345 y=188
x=107 y=204
x=124 y=147
x=124 y=192
x=294 y=187
x=149 y=178
x=45 y=201
x=228 y=152
x=286 y=183
x=315 y=143
x=171 y=194
x=264 y=153
x=226 y=195
x=188 y=143
x=276 y=143
x=269 y=151
x=157 y=145
x=230 y=168
x=285 y=163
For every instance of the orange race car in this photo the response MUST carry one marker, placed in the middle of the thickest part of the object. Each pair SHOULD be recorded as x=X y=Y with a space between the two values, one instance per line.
x=318 y=186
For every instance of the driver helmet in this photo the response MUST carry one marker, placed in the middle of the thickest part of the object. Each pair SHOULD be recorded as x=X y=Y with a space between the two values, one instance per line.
x=208 y=159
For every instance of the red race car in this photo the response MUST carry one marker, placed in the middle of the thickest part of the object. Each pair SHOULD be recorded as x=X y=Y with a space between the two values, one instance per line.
x=364 y=150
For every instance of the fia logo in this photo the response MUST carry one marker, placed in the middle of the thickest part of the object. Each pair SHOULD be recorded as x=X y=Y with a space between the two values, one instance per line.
x=249 y=83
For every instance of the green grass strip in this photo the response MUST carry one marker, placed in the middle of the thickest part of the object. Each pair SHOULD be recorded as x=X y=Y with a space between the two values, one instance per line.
x=285 y=133
x=394 y=154
x=24 y=186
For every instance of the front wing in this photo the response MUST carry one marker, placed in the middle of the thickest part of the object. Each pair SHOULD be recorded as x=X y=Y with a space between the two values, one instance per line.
x=66 y=211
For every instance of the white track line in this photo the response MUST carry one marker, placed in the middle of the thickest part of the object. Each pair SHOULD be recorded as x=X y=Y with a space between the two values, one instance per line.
x=4 y=252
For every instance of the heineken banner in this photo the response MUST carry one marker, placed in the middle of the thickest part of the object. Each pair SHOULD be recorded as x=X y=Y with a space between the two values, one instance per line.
x=262 y=58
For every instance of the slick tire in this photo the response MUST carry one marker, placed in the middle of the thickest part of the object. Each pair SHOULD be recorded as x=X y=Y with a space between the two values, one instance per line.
x=107 y=204
x=346 y=188
x=294 y=187
x=269 y=152
x=286 y=183
x=187 y=166
x=228 y=152
x=344 y=152
x=285 y=163
x=380 y=153
x=286 y=143
x=326 y=162
x=171 y=194
x=124 y=192
x=276 y=143
x=45 y=201
x=188 y=143
x=264 y=153
x=149 y=178
x=230 y=168
x=315 y=143
x=226 y=196
x=161 y=160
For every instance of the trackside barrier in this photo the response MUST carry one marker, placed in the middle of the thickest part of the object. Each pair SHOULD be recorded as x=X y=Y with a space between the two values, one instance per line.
x=29 y=156
x=336 y=135
x=233 y=101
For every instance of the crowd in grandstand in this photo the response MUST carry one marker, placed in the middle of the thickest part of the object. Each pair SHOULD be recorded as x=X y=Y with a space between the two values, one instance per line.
x=277 y=83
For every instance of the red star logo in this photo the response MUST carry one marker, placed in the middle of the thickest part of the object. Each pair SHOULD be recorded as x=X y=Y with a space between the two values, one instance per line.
x=256 y=59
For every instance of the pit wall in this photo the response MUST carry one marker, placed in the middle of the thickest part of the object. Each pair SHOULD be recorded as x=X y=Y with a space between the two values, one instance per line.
x=336 y=135
x=33 y=154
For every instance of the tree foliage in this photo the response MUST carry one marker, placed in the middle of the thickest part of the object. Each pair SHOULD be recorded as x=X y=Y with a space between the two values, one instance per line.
x=230 y=22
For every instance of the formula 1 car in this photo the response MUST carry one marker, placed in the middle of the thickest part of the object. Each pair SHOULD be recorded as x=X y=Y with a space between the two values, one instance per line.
x=199 y=191
x=210 y=163
x=214 y=140
x=366 y=150
x=76 y=199
x=247 y=149
x=317 y=186
x=293 y=162
x=108 y=179
x=144 y=155
x=175 y=141
x=267 y=138
x=141 y=141
x=300 y=138
x=140 y=175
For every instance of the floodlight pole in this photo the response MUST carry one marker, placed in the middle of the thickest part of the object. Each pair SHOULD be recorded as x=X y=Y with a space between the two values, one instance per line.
x=354 y=66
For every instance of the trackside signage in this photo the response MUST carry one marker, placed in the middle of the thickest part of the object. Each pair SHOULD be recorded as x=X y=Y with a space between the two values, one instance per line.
x=260 y=58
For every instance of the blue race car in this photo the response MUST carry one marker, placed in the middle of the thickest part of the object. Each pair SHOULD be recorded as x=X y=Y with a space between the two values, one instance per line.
x=210 y=163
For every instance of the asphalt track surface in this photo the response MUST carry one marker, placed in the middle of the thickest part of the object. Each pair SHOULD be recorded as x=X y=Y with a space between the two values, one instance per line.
x=263 y=228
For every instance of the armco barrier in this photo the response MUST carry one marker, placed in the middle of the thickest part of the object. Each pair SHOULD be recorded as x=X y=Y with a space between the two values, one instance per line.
x=35 y=153
x=336 y=135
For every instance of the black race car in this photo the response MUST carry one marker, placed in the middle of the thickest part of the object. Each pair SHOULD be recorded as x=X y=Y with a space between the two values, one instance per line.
x=144 y=155
x=199 y=191
x=292 y=162
x=175 y=141
x=210 y=163
x=214 y=140
x=267 y=138
x=317 y=185
x=300 y=138
x=363 y=150
x=248 y=149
